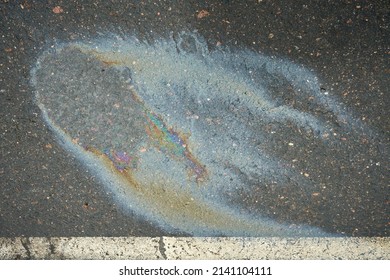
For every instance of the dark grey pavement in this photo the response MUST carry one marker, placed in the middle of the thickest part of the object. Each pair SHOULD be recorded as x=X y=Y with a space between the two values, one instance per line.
x=45 y=191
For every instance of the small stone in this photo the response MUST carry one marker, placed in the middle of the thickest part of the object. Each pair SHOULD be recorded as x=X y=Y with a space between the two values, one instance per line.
x=58 y=10
x=202 y=14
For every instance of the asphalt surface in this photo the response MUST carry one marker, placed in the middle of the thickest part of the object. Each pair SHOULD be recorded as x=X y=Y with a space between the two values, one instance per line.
x=45 y=191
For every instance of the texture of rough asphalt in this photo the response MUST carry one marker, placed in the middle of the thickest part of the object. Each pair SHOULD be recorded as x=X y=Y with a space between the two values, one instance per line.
x=44 y=191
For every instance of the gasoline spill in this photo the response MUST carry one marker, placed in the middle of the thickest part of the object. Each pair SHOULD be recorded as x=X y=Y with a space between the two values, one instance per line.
x=183 y=135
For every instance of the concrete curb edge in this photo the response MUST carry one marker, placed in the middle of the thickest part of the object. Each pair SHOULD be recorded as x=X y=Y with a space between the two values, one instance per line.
x=187 y=248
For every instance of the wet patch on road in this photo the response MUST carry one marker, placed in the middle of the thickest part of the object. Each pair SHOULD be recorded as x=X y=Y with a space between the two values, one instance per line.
x=195 y=140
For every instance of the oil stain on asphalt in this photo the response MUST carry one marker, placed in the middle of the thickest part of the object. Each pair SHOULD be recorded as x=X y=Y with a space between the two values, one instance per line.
x=189 y=138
